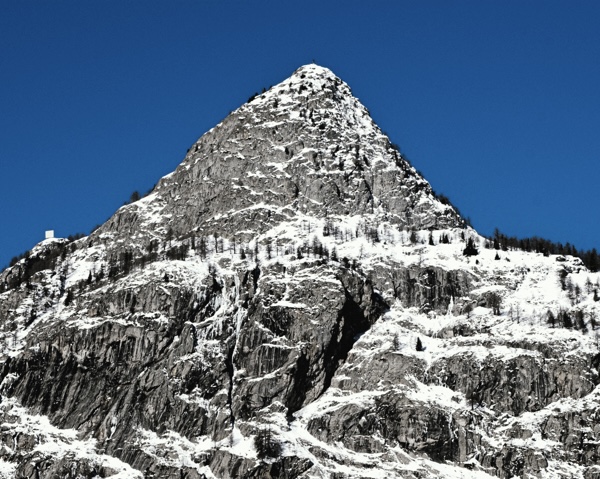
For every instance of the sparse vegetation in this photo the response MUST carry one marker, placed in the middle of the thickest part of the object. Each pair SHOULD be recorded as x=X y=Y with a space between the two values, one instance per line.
x=470 y=249
x=500 y=241
x=266 y=444
x=494 y=301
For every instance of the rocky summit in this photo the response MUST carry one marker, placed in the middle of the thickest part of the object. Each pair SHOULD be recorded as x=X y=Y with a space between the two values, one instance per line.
x=295 y=301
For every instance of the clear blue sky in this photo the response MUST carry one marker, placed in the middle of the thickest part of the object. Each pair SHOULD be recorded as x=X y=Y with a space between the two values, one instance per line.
x=496 y=103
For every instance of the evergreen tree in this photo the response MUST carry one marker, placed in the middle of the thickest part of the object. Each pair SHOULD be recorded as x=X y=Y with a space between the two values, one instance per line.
x=496 y=239
x=495 y=302
x=593 y=261
x=580 y=321
x=551 y=318
x=396 y=342
x=420 y=345
x=269 y=249
x=69 y=297
x=565 y=319
x=413 y=237
x=562 y=277
x=593 y=322
x=134 y=197
x=470 y=249
x=577 y=293
x=570 y=290
x=266 y=444
x=202 y=248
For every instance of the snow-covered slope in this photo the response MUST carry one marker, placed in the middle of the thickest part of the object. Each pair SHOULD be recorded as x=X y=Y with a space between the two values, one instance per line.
x=294 y=301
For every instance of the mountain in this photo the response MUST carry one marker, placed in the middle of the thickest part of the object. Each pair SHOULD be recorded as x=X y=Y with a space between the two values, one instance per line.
x=294 y=301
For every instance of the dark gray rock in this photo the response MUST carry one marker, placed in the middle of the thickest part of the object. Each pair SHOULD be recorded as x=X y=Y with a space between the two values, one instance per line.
x=218 y=307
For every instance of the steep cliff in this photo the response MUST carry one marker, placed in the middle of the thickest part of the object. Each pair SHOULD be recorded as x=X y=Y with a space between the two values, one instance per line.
x=294 y=301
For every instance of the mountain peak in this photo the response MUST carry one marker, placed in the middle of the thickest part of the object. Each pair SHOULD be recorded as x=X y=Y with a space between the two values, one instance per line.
x=307 y=84
x=306 y=146
x=314 y=71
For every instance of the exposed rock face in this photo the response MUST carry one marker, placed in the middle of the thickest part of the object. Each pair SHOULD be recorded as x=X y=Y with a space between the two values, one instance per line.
x=295 y=277
x=305 y=146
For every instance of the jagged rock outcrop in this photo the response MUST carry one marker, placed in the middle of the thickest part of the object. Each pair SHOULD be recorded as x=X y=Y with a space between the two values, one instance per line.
x=305 y=146
x=296 y=277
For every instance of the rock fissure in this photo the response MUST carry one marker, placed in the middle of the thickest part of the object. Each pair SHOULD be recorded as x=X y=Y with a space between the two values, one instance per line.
x=280 y=280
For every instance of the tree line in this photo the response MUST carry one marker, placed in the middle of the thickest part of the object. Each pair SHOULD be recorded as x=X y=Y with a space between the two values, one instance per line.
x=500 y=241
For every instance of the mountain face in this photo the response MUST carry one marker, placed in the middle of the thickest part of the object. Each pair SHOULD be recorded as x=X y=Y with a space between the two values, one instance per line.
x=306 y=146
x=294 y=301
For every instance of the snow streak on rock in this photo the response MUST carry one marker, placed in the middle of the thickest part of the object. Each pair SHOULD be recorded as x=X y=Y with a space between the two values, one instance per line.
x=294 y=301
